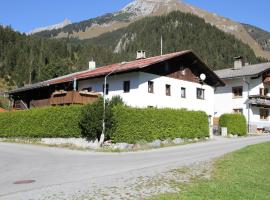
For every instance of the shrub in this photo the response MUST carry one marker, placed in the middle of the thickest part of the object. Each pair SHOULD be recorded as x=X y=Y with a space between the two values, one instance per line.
x=91 y=120
x=116 y=100
x=135 y=124
x=236 y=123
x=44 y=122
x=4 y=103
x=92 y=117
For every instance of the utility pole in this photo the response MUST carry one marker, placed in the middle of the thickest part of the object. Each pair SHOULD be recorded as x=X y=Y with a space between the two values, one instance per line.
x=161 y=45
x=102 y=137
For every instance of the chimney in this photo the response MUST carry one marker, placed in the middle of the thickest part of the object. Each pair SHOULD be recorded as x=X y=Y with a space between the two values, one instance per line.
x=238 y=62
x=141 y=55
x=92 y=65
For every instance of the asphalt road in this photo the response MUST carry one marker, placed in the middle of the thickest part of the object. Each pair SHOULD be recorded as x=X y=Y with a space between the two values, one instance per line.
x=60 y=171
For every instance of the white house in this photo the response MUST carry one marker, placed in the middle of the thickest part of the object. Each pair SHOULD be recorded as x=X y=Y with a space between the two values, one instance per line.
x=246 y=92
x=176 y=80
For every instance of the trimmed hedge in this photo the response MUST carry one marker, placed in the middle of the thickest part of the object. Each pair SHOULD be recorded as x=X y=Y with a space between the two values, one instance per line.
x=45 y=122
x=134 y=124
x=236 y=123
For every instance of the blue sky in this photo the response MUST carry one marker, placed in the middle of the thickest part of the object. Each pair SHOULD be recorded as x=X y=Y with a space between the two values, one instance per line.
x=25 y=15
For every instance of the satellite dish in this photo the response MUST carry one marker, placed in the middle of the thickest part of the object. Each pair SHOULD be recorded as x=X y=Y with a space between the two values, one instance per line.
x=203 y=77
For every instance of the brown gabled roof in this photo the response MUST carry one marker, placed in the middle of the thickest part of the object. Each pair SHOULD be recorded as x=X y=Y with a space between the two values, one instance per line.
x=117 y=68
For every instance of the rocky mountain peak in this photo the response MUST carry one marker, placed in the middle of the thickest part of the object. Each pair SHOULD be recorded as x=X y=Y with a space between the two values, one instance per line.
x=51 y=27
x=147 y=7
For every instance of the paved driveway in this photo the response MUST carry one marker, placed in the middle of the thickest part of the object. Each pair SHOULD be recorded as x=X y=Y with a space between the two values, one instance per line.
x=61 y=171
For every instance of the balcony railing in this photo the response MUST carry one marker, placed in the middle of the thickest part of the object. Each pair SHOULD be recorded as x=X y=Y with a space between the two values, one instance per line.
x=259 y=100
x=65 y=98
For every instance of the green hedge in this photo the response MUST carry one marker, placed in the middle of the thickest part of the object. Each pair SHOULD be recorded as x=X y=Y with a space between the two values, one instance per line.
x=45 y=122
x=134 y=124
x=236 y=123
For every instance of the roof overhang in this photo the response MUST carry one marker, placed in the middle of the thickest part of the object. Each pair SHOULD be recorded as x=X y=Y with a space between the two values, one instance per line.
x=125 y=67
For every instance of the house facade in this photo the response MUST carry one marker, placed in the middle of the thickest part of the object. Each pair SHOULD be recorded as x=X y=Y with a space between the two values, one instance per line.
x=176 y=80
x=247 y=92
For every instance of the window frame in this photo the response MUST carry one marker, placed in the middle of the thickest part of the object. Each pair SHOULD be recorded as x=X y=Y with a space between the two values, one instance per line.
x=151 y=87
x=88 y=89
x=236 y=92
x=264 y=114
x=203 y=93
x=126 y=86
x=238 y=111
x=185 y=93
x=263 y=91
x=168 y=90
x=107 y=89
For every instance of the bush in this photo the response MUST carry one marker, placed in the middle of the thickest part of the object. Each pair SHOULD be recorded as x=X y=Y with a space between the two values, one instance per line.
x=236 y=123
x=44 y=122
x=4 y=103
x=116 y=100
x=135 y=124
x=92 y=117
x=91 y=120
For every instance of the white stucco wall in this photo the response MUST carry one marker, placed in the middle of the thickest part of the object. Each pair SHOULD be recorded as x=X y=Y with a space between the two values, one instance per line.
x=225 y=103
x=139 y=96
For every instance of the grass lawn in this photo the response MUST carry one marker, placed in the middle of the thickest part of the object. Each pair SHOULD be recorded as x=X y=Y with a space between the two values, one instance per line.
x=242 y=175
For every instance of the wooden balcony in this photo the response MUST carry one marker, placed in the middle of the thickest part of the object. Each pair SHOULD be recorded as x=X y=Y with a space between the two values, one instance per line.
x=259 y=101
x=65 y=98
x=73 y=97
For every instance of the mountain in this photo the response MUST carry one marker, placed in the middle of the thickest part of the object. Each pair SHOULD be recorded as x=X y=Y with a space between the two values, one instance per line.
x=51 y=27
x=29 y=59
x=26 y=59
x=141 y=8
x=260 y=35
x=179 y=32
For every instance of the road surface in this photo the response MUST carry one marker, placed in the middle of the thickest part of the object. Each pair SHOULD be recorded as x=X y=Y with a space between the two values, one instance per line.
x=69 y=173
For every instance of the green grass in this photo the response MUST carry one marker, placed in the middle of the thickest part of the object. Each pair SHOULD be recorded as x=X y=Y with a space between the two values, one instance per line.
x=241 y=175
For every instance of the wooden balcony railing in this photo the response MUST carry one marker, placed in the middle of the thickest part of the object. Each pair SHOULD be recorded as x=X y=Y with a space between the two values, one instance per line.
x=73 y=97
x=65 y=98
x=259 y=100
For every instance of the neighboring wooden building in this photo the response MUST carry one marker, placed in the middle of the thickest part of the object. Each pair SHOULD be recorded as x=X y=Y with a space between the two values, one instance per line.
x=171 y=80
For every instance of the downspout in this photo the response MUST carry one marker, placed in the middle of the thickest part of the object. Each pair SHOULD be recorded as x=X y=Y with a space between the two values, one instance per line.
x=248 y=84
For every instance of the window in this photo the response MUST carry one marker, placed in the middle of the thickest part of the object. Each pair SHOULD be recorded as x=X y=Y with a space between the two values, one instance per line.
x=264 y=113
x=237 y=92
x=263 y=91
x=183 y=70
x=89 y=89
x=107 y=89
x=200 y=93
x=166 y=67
x=238 y=111
x=126 y=86
x=168 y=90
x=150 y=87
x=183 y=92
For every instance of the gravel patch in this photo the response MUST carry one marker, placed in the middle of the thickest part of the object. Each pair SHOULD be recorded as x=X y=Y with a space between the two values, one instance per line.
x=137 y=185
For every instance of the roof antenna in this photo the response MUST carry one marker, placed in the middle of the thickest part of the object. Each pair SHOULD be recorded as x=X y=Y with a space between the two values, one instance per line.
x=161 y=45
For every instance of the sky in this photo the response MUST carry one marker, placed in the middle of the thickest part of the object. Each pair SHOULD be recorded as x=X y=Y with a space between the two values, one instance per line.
x=25 y=15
